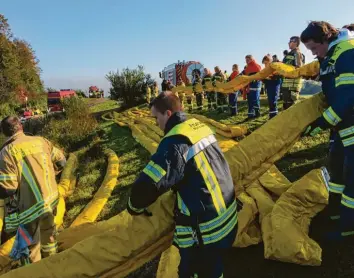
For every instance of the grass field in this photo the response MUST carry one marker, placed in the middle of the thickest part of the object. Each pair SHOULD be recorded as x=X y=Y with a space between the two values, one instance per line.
x=101 y=104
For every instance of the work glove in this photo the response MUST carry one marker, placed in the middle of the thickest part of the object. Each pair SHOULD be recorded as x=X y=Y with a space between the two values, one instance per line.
x=316 y=127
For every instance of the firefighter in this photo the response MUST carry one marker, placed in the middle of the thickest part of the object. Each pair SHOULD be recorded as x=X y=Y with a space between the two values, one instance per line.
x=29 y=188
x=220 y=97
x=155 y=89
x=189 y=161
x=181 y=95
x=272 y=88
x=255 y=87
x=190 y=98
x=335 y=49
x=290 y=88
x=233 y=96
x=350 y=27
x=148 y=94
x=198 y=95
x=209 y=94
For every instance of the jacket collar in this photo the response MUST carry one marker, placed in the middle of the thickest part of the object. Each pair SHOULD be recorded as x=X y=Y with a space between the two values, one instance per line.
x=175 y=119
x=344 y=35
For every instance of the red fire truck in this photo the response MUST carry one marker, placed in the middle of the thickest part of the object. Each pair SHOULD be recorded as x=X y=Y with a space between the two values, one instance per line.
x=182 y=70
x=55 y=98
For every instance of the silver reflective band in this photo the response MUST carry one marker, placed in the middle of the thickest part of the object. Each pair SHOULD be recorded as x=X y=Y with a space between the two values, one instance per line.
x=199 y=146
x=255 y=89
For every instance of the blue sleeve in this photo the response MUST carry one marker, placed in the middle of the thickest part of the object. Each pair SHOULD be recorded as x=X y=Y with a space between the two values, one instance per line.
x=165 y=169
x=343 y=103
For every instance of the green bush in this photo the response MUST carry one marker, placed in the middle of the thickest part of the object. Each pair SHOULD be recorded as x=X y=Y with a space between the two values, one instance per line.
x=76 y=130
x=129 y=85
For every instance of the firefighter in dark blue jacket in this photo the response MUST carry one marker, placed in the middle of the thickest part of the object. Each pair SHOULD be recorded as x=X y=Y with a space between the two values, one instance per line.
x=272 y=87
x=189 y=162
x=335 y=50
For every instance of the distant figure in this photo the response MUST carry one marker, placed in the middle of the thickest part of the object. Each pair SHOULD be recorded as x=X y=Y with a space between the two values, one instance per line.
x=233 y=96
x=209 y=94
x=350 y=27
x=253 y=95
x=28 y=113
x=164 y=85
x=220 y=97
x=290 y=88
x=199 y=95
x=275 y=58
x=272 y=87
x=155 y=89
x=285 y=53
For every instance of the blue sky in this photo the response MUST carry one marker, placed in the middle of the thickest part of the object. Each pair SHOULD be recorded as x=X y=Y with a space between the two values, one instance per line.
x=78 y=42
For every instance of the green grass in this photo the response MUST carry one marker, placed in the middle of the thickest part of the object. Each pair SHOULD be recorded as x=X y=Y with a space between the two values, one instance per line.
x=101 y=104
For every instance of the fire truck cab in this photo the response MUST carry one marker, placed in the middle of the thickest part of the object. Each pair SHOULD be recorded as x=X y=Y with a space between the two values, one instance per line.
x=55 y=98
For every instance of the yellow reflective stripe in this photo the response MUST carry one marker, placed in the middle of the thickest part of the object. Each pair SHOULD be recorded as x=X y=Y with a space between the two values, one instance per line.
x=154 y=171
x=346 y=132
x=331 y=116
x=219 y=235
x=137 y=210
x=336 y=188
x=211 y=182
x=182 y=206
x=50 y=247
x=345 y=79
x=348 y=142
x=46 y=175
x=9 y=177
x=347 y=201
x=26 y=172
x=347 y=233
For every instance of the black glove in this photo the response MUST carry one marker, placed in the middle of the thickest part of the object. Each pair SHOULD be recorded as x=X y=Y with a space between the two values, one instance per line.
x=316 y=127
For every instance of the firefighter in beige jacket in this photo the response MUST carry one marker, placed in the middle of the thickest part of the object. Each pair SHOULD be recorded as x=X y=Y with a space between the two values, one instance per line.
x=29 y=188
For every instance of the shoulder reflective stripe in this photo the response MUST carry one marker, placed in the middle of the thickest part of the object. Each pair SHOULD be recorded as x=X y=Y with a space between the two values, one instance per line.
x=347 y=201
x=193 y=129
x=211 y=182
x=133 y=208
x=26 y=171
x=331 y=116
x=348 y=142
x=154 y=171
x=346 y=132
x=336 y=188
x=199 y=146
x=181 y=205
x=341 y=48
x=10 y=177
x=220 y=220
x=345 y=79
x=219 y=235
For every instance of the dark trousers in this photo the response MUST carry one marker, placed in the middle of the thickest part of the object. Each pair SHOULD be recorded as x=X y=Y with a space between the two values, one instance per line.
x=341 y=186
x=199 y=99
x=205 y=261
x=289 y=97
x=253 y=103
x=222 y=102
x=211 y=100
x=233 y=103
x=273 y=96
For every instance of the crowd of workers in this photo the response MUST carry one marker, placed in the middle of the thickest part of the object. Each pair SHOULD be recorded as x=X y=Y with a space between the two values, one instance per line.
x=190 y=162
x=275 y=86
